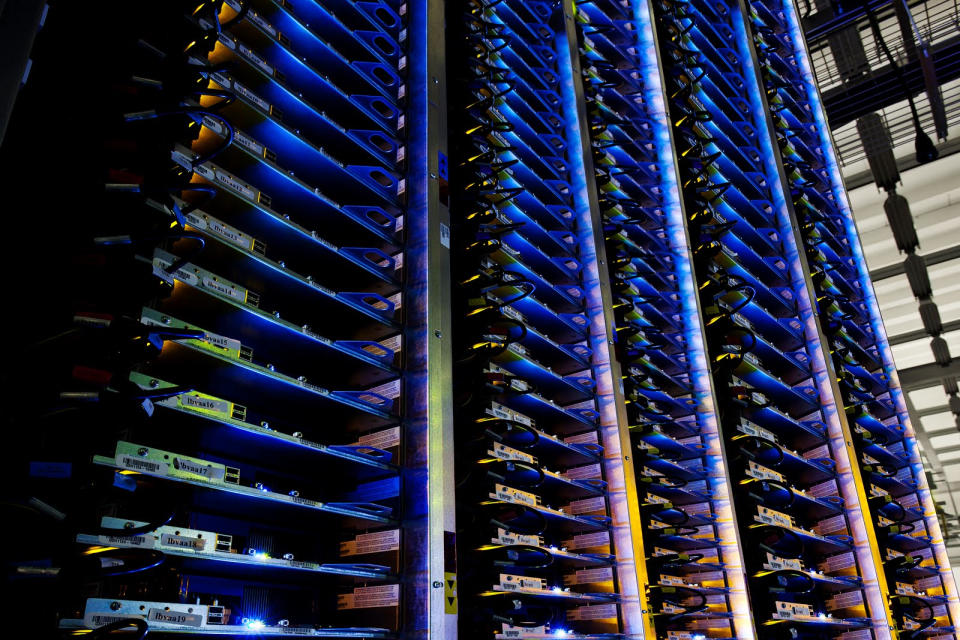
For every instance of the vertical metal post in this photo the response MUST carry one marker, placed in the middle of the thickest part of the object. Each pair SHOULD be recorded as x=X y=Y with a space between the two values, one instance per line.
x=699 y=358
x=19 y=22
x=614 y=433
x=428 y=487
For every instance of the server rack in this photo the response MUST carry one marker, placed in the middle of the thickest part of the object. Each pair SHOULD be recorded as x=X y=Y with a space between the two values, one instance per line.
x=438 y=319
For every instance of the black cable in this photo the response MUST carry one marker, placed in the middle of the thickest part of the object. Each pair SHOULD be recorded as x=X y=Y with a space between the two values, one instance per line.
x=118 y=625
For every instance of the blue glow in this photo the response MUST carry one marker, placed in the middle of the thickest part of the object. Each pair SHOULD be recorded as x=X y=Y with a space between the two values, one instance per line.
x=255 y=625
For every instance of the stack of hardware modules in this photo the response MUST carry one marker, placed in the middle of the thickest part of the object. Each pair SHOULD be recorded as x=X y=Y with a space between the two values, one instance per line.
x=585 y=349
x=235 y=365
x=688 y=584
x=533 y=541
x=899 y=505
x=788 y=496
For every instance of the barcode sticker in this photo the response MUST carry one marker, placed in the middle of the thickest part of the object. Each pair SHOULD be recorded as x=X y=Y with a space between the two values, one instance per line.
x=140 y=542
x=141 y=465
x=94 y=620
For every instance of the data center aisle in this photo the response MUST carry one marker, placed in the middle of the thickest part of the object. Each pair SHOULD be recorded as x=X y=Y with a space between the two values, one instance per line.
x=424 y=319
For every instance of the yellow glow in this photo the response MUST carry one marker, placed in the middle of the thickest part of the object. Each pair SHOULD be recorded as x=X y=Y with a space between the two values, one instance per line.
x=97 y=549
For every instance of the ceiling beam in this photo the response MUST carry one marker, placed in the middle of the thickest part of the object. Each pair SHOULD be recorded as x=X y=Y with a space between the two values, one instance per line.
x=904 y=164
x=920 y=334
x=929 y=411
x=927 y=375
x=950 y=253
x=929 y=450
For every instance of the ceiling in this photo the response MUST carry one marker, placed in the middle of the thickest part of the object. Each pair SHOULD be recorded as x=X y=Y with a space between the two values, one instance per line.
x=932 y=189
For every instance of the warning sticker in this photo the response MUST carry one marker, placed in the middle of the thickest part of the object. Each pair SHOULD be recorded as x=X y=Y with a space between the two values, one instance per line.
x=587 y=540
x=377 y=542
x=587 y=505
x=370 y=597
x=381 y=439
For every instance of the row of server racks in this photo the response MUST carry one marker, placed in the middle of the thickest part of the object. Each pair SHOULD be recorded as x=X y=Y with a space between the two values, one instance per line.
x=419 y=319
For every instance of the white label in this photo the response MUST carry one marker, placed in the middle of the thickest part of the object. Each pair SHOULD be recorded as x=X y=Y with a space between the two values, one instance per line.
x=444 y=235
x=776 y=563
x=222 y=80
x=510 y=538
x=503 y=452
x=211 y=472
x=159 y=269
x=763 y=473
x=179 y=618
x=232 y=183
x=512 y=582
x=141 y=465
x=769 y=516
x=248 y=142
x=256 y=59
x=263 y=24
x=251 y=96
x=182 y=542
x=509 y=494
x=789 y=610
x=222 y=342
x=213 y=284
x=207 y=404
x=401 y=153
x=401 y=121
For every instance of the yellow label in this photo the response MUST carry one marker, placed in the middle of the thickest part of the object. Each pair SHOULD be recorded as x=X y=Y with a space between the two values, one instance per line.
x=450 y=592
